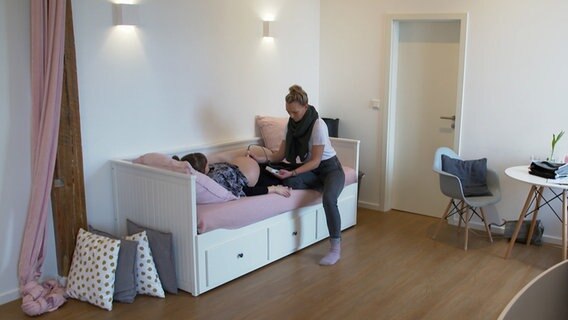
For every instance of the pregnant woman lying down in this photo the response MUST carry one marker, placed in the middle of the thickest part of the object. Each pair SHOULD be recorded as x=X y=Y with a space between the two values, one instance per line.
x=242 y=177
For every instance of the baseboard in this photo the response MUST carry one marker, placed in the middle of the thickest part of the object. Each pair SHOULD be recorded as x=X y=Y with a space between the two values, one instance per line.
x=496 y=230
x=478 y=225
x=9 y=296
x=14 y=294
x=551 y=240
x=368 y=205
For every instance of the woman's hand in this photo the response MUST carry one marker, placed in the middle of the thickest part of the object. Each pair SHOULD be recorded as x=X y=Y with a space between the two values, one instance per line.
x=281 y=190
x=284 y=174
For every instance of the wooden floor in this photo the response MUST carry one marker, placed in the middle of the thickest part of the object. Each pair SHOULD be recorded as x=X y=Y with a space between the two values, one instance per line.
x=390 y=269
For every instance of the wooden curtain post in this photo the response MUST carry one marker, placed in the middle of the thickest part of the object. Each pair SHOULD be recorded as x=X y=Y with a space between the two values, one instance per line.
x=68 y=192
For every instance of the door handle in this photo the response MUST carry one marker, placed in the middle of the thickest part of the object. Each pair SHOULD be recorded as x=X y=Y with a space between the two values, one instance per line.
x=453 y=118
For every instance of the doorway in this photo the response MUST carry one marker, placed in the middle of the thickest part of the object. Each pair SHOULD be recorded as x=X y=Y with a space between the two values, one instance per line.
x=424 y=101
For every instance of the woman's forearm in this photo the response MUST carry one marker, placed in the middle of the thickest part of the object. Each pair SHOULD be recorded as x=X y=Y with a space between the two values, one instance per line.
x=307 y=166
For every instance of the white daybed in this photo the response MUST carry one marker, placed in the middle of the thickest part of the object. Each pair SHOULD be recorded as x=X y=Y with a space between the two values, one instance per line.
x=166 y=200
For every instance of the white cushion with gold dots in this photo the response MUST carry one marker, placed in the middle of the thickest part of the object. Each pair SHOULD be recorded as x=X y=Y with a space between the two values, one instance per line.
x=147 y=279
x=91 y=277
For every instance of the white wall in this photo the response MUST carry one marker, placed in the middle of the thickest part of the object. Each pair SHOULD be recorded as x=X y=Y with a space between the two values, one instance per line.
x=515 y=83
x=192 y=73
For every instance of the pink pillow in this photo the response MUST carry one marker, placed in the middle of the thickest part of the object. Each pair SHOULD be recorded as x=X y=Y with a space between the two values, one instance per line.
x=272 y=130
x=163 y=161
x=209 y=191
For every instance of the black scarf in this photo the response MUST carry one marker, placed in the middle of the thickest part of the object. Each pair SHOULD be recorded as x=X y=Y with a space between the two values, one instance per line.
x=298 y=135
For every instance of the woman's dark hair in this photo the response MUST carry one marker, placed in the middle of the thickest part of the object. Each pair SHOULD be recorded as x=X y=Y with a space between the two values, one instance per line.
x=197 y=160
x=297 y=94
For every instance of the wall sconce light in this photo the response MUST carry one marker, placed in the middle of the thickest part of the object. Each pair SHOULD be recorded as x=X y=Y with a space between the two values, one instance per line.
x=125 y=14
x=266 y=29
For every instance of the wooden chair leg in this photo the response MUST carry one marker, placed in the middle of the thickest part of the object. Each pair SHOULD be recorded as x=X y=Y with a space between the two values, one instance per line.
x=486 y=225
x=466 y=222
x=461 y=213
x=444 y=216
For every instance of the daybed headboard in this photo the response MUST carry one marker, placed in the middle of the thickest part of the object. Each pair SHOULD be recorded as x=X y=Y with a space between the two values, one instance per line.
x=347 y=149
x=347 y=152
x=223 y=146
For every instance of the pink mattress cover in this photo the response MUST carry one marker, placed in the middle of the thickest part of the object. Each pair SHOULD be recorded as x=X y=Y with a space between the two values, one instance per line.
x=247 y=210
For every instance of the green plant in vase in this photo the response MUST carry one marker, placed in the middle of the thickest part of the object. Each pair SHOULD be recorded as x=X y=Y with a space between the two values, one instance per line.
x=555 y=139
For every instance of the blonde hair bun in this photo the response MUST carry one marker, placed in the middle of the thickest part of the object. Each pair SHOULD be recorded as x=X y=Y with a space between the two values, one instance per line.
x=297 y=94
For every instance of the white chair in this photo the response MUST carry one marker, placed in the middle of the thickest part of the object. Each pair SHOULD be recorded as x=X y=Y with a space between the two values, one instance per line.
x=464 y=207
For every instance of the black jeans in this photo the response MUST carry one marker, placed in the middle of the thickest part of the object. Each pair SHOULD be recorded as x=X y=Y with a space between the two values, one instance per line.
x=329 y=179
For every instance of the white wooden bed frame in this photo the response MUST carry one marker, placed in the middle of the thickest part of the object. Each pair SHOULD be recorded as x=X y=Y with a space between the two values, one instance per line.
x=166 y=201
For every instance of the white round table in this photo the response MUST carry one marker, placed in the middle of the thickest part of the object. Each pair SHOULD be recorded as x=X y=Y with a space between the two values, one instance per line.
x=535 y=196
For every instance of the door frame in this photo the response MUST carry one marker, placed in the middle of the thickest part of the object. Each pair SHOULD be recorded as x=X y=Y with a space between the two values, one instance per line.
x=388 y=141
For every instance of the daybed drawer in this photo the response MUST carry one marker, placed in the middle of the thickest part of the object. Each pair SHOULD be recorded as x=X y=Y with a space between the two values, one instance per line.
x=289 y=236
x=232 y=259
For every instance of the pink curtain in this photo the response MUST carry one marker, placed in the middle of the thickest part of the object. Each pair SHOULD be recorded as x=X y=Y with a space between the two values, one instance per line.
x=47 y=48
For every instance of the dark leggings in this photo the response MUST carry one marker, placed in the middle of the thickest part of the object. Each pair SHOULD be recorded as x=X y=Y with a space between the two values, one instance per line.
x=329 y=179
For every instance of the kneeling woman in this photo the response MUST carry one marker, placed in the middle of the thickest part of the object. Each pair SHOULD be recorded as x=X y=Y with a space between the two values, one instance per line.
x=241 y=177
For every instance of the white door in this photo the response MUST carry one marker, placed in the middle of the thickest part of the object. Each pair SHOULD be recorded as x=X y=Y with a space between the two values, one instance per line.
x=427 y=76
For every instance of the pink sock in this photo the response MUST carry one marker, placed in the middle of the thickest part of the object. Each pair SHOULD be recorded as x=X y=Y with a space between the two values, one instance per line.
x=334 y=253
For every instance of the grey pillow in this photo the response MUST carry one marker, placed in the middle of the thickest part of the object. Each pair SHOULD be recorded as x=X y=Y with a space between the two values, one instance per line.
x=125 y=279
x=472 y=174
x=161 y=245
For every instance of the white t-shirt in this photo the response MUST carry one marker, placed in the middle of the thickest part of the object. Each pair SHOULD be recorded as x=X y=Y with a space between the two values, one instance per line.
x=320 y=136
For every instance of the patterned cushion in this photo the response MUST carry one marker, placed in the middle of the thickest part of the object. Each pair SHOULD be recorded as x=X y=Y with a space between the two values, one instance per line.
x=161 y=244
x=147 y=279
x=125 y=278
x=92 y=273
